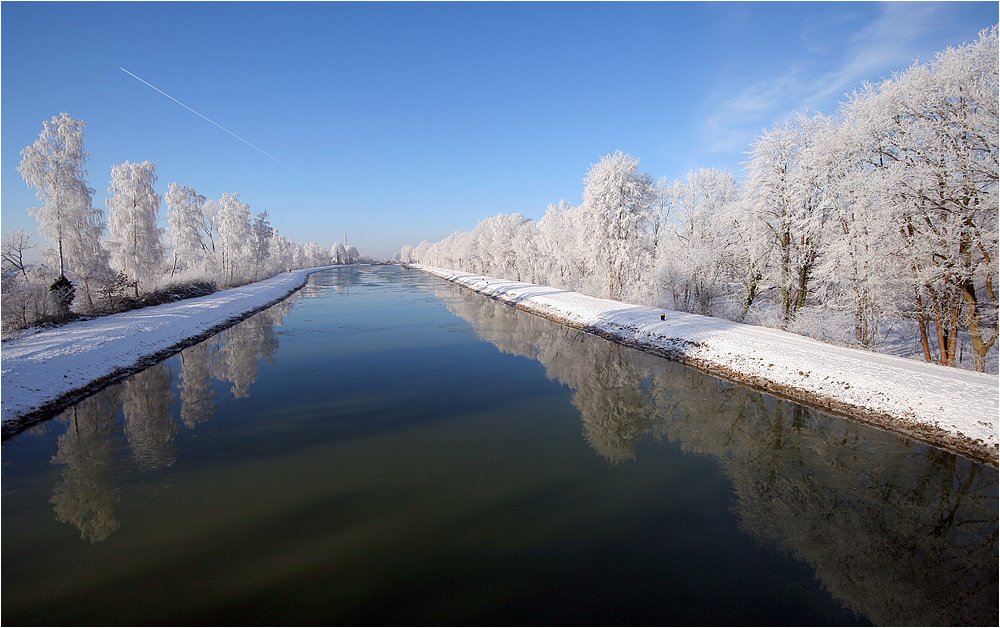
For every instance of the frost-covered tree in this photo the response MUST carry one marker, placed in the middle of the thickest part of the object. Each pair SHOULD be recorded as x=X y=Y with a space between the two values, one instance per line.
x=338 y=253
x=785 y=192
x=282 y=252
x=27 y=299
x=134 y=210
x=526 y=242
x=310 y=255
x=299 y=256
x=53 y=165
x=187 y=226
x=932 y=133
x=406 y=254
x=617 y=204
x=352 y=254
x=743 y=249
x=860 y=271
x=317 y=255
x=234 y=235
x=949 y=114
x=15 y=243
x=690 y=258
x=210 y=236
x=496 y=246
x=563 y=244
x=260 y=243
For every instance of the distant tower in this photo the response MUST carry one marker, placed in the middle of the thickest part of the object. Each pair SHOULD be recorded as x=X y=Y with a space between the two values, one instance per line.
x=345 y=238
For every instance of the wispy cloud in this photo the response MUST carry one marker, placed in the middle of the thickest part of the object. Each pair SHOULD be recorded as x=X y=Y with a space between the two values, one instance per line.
x=889 y=43
x=886 y=45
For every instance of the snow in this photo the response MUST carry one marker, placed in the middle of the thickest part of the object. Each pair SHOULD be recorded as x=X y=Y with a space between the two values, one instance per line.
x=947 y=407
x=54 y=367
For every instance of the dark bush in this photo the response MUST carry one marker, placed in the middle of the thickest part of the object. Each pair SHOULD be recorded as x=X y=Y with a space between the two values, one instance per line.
x=62 y=292
x=177 y=292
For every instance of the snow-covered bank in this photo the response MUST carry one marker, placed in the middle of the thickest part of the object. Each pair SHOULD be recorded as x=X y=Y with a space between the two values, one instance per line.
x=950 y=408
x=52 y=368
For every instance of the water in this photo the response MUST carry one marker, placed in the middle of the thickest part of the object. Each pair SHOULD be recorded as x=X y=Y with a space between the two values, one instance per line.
x=386 y=448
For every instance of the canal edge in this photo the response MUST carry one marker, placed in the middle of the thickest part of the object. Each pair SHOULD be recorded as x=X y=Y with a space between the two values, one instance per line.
x=49 y=408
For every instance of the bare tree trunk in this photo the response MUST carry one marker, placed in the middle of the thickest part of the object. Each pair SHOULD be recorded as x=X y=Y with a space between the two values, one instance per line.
x=922 y=321
x=955 y=306
x=786 y=272
x=979 y=346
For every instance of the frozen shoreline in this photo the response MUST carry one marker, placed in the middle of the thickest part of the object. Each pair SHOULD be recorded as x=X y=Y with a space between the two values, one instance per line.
x=52 y=368
x=949 y=408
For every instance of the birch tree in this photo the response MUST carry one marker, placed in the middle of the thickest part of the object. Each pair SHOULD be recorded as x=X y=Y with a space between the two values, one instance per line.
x=187 y=226
x=53 y=165
x=234 y=234
x=282 y=251
x=134 y=208
x=260 y=242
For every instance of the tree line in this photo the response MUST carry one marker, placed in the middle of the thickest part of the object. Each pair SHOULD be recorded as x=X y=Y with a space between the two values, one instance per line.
x=881 y=217
x=207 y=243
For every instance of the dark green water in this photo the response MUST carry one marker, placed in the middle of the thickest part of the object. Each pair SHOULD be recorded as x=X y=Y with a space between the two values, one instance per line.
x=385 y=448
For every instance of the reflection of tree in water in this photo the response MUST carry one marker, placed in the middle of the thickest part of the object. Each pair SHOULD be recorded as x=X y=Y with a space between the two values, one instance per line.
x=243 y=344
x=238 y=359
x=340 y=279
x=197 y=395
x=84 y=495
x=912 y=544
x=231 y=356
x=149 y=425
x=900 y=532
x=615 y=410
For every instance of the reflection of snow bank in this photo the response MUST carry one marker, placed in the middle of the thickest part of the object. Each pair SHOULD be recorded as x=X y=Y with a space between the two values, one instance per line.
x=55 y=367
x=947 y=407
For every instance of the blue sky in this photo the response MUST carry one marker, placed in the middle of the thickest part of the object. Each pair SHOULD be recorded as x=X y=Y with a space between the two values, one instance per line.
x=395 y=123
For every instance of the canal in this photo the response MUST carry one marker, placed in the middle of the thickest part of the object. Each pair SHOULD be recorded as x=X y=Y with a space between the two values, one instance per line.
x=387 y=448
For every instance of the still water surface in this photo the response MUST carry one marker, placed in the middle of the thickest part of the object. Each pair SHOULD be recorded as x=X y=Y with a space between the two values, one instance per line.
x=386 y=448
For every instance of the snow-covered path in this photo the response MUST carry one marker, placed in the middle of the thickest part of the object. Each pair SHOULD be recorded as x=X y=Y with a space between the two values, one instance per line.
x=951 y=408
x=54 y=367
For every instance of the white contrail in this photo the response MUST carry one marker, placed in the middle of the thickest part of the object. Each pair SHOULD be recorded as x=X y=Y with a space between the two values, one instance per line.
x=198 y=114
